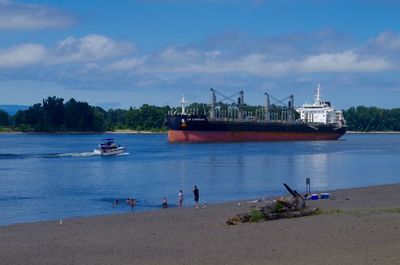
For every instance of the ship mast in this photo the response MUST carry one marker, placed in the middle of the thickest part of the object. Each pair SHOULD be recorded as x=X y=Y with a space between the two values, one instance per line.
x=291 y=108
x=183 y=103
x=241 y=105
x=317 y=100
x=212 y=104
x=266 y=108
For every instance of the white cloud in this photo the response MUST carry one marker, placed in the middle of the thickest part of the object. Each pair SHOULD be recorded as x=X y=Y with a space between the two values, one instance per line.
x=386 y=40
x=22 y=55
x=126 y=64
x=99 y=62
x=347 y=61
x=197 y=62
x=24 y=16
x=89 y=48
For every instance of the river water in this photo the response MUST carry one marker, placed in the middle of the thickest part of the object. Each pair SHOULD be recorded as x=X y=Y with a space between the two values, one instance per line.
x=55 y=176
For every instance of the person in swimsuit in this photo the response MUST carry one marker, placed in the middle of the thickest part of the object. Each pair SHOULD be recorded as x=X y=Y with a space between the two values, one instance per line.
x=180 y=198
x=165 y=203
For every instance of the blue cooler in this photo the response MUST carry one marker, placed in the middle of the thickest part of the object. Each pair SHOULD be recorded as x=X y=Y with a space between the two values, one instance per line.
x=325 y=195
x=314 y=197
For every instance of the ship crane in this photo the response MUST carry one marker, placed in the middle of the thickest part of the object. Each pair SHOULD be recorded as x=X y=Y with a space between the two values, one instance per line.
x=238 y=111
x=226 y=113
x=286 y=105
x=280 y=101
x=228 y=98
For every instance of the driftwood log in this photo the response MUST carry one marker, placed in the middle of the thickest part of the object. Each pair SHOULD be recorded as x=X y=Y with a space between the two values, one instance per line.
x=286 y=207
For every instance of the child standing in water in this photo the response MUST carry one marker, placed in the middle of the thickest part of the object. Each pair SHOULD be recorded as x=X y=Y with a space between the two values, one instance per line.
x=180 y=198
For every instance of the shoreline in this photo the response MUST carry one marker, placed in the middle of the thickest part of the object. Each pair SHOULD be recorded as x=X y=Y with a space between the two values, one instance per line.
x=134 y=132
x=105 y=132
x=217 y=204
x=128 y=131
x=374 y=132
x=357 y=226
x=284 y=193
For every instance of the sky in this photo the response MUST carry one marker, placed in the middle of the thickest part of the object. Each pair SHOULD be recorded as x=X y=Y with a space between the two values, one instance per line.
x=118 y=54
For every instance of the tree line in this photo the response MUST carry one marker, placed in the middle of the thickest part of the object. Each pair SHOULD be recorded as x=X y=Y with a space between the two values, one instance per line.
x=366 y=119
x=55 y=115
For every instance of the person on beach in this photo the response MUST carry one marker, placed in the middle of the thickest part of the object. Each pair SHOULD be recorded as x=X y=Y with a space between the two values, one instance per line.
x=196 y=196
x=180 y=198
x=165 y=203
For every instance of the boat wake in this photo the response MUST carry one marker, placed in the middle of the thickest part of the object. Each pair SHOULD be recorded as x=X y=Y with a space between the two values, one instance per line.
x=123 y=154
x=57 y=155
x=83 y=154
x=87 y=154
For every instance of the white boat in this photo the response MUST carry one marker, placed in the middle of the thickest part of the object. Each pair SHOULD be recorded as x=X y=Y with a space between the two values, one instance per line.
x=109 y=148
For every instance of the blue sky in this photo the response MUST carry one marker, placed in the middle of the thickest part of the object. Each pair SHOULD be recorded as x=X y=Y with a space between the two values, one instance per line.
x=129 y=52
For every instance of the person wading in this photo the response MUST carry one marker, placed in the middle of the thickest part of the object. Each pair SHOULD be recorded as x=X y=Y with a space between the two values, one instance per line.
x=180 y=198
x=196 y=196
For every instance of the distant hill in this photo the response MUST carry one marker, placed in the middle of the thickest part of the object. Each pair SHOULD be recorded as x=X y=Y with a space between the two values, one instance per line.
x=12 y=109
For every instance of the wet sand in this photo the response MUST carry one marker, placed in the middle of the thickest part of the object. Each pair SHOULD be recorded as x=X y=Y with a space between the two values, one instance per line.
x=358 y=226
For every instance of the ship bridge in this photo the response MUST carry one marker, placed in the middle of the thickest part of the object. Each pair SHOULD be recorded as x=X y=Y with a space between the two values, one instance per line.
x=320 y=111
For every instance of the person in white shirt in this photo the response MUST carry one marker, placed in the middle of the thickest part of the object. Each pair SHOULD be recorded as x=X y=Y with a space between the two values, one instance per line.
x=180 y=198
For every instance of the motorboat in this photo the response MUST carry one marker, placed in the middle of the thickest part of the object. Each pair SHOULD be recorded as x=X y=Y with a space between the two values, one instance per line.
x=108 y=148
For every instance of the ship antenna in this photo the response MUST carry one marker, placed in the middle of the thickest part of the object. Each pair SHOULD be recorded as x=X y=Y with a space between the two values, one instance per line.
x=318 y=96
x=183 y=103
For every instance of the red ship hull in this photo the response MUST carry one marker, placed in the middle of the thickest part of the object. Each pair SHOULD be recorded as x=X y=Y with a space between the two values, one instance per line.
x=177 y=136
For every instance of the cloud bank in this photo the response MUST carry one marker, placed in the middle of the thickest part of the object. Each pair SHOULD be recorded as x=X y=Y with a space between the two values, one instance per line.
x=90 y=48
x=268 y=57
x=22 y=16
x=229 y=60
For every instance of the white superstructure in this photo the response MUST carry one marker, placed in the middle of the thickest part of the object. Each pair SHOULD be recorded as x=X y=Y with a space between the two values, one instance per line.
x=320 y=111
x=183 y=104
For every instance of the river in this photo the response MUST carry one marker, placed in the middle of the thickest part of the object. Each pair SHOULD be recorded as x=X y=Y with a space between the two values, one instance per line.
x=56 y=176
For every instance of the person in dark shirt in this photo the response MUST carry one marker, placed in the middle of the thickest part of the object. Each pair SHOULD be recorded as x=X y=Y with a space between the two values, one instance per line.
x=196 y=196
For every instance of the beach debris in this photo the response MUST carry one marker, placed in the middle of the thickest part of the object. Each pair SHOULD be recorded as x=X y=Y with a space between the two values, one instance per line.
x=285 y=207
x=60 y=223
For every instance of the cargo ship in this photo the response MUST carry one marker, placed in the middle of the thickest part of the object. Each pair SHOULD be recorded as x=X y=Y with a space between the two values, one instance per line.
x=235 y=123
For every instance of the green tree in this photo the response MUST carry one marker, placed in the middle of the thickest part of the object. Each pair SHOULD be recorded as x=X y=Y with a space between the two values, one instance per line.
x=79 y=116
x=99 y=122
x=30 y=119
x=147 y=117
x=372 y=119
x=4 y=118
x=116 y=119
x=53 y=113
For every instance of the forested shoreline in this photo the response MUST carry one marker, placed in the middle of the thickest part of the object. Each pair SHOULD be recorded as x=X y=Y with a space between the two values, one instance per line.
x=55 y=115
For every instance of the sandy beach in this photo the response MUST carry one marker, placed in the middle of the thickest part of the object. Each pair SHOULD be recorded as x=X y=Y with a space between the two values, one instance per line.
x=357 y=226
